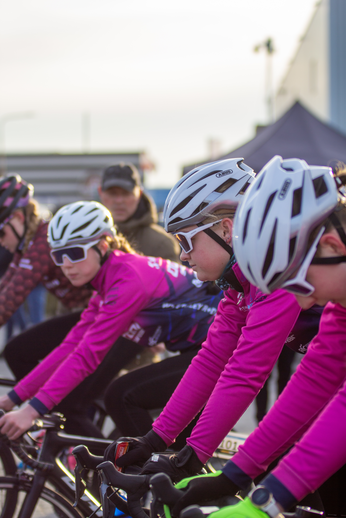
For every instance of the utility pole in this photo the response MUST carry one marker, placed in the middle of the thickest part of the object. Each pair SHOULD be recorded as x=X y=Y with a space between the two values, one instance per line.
x=268 y=46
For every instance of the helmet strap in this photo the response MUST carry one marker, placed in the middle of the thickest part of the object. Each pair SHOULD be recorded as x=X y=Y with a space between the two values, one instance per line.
x=228 y=278
x=102 y=257
x=20 y=238
x=218 y=239
x=329 y=260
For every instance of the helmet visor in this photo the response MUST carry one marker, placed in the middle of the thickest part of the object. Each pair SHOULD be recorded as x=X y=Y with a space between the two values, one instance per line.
x=75 y=254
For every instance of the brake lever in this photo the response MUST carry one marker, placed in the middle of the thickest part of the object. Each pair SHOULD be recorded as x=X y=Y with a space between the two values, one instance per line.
x=80 y=485
x=108 y=506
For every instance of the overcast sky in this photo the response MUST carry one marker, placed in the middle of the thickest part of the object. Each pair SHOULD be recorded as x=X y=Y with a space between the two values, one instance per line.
x=152 y=75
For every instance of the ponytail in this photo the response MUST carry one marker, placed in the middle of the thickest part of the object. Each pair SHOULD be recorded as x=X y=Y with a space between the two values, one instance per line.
x=119 y=242
x=32 y=221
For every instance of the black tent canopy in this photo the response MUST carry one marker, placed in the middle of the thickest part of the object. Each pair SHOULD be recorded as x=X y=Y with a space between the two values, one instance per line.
x=297 y=134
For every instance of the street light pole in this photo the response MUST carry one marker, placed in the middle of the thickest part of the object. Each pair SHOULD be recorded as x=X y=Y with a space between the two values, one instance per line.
x=8 y=117
x=269 y=48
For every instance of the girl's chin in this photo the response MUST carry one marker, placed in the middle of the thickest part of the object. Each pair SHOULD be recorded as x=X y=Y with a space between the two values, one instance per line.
x=204 y=277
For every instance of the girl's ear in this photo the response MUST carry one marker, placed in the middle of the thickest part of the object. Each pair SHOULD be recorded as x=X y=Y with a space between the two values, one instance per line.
x=227 y=228
x=332 y=243
x=103 y=246
x=18 y=214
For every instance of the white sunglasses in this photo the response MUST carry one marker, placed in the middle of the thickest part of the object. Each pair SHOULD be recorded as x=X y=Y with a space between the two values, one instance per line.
x=74 y=253
x=299 y=285
x=185 y=238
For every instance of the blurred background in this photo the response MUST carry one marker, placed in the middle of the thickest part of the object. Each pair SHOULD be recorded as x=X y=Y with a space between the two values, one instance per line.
x=166 y=85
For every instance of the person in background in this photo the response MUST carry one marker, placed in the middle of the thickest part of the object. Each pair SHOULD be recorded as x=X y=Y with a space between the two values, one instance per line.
x=134 y=212
x=23 y=233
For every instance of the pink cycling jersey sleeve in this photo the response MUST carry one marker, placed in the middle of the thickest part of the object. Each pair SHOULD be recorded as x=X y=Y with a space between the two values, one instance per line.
x=87 y=343
x=241 y=349
x=314 y=399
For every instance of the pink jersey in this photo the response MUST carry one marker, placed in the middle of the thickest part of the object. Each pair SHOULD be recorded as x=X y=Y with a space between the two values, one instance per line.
x=312 y=408
x=146 y=299
x=242 y=346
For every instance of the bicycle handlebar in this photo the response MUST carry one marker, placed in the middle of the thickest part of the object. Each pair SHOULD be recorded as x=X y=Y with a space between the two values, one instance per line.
x=135 y=486
x=46 y=422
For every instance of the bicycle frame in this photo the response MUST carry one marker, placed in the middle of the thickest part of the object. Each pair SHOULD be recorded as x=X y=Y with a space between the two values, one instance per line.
x=60 y=477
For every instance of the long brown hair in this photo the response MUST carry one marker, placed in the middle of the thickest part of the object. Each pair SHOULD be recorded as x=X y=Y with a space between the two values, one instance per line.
x=119 y=242
x=32 y=221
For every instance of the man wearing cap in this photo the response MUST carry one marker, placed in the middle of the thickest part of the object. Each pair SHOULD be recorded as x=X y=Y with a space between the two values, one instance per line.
x=135 y=213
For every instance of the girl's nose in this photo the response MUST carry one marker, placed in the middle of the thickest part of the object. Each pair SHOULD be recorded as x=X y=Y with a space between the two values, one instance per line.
x=66 y=261
x=184 y=256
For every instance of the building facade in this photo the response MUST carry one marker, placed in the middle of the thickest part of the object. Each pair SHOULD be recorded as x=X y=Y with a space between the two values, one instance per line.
x=59 y=179
x=316 y=75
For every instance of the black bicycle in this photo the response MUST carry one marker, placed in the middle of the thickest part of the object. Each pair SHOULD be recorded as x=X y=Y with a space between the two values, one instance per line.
x=43 y=485
x=164 y=495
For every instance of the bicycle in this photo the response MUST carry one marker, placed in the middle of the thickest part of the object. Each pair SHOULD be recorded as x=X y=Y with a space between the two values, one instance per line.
x=164 y=494
x=47 y=489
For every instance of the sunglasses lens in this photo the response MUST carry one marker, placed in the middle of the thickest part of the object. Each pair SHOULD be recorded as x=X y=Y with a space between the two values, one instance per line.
x=74 y=254
x=298 y=289
x=183 y=243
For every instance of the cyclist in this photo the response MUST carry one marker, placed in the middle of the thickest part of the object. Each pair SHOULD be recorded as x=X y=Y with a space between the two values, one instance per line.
x=245 y=339
x=295 y=219
x=24 y=233
x=138 y=299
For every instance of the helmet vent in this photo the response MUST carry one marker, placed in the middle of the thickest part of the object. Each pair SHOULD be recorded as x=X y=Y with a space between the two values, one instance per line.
x=212 y=173
x=186 y=201
x=270 y=252
x=82 y=227
x=63 y=231
x=296 y=202
x=273 y=279
x=77 y=209
x=92 y=210
x=95 y=231
x=320 y=186
x=226 y=185
x=246 y=224
x=292 y=248
x=243 y=189
x=260 y=182
x=199 y=208
x=266 y=210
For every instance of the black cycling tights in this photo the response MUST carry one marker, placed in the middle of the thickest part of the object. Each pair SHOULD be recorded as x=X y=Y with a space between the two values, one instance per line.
x=130 y=398
x=26 y=350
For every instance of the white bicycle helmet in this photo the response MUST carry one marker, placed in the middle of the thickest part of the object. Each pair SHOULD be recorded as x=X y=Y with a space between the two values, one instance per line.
x=80 y=222
x=217 y=185
x=272 y=227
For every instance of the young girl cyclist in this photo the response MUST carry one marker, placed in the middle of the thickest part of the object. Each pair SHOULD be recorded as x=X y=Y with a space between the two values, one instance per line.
x=294 y=218
x=245 y=339
x=138 y=299
x=24 y=234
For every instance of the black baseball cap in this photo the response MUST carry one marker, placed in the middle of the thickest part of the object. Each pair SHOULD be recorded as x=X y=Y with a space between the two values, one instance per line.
x=121 y=175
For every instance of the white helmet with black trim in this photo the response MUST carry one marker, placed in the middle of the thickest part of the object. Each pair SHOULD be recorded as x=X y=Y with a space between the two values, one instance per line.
x=80 y=222
x=272 y=227
x=212 y=186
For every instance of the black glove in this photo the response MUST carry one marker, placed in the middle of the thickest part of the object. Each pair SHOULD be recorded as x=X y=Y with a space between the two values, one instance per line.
x=177 y=466
x=140 y=449
x=204 y=488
